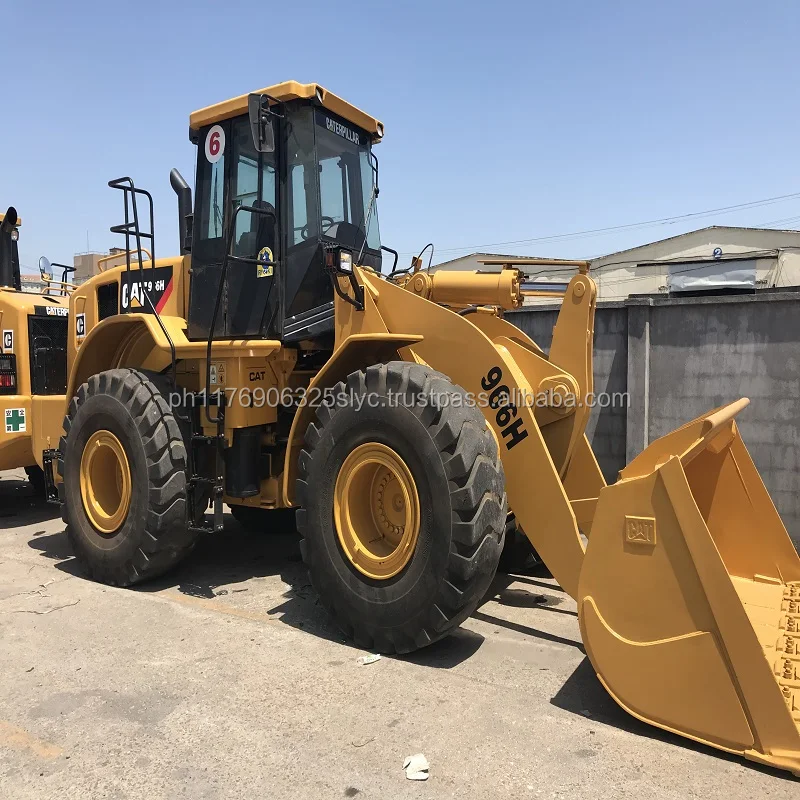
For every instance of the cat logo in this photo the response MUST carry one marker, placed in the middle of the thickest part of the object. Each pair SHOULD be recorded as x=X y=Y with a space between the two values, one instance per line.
x=80 y=326
x=145 y=291
x=640 y=530
x=265 y=266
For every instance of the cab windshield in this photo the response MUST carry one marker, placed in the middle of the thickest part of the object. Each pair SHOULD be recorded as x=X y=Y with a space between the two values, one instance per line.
x=345 y=183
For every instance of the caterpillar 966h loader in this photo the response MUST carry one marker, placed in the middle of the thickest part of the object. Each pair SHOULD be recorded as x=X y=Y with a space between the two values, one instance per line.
x=33 y=364
x=274 y=365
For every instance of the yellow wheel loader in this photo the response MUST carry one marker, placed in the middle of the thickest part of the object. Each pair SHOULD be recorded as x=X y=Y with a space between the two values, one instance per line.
x=33 y=364
x=278 y=363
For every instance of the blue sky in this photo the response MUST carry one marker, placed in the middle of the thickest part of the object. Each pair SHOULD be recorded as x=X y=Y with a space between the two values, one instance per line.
x=505 y=121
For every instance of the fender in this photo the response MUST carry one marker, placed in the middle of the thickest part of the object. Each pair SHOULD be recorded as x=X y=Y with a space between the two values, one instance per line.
x=121 y=340
x=137 y=340
x=353 y=353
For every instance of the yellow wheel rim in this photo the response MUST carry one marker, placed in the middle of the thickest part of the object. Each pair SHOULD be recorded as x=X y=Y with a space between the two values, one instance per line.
x=105 y=482
x=376 y=511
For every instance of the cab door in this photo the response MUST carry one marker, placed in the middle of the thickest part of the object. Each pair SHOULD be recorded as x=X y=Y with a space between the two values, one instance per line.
x=230 y=174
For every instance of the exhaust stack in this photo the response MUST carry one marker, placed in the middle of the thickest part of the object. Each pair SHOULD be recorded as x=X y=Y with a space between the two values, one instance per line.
x=185 y=215
x=7 y=248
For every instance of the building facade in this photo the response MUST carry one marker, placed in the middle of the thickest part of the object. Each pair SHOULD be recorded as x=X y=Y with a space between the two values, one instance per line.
x=717 y=259
x=88 y=264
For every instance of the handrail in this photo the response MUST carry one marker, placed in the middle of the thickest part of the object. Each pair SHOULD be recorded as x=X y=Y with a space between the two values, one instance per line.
x=130 y=228
x=62 y=287
x=227 y=258
x=122 y=254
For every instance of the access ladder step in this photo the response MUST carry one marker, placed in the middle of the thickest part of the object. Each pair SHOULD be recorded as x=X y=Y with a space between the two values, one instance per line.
x=49 y=459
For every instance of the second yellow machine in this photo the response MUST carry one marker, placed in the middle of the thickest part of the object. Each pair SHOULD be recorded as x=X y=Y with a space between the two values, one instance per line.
x=33 y=363
x=276 y=363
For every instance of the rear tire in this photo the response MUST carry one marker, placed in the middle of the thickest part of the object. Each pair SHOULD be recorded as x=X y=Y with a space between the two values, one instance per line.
x=153 y=535
x=453 y=461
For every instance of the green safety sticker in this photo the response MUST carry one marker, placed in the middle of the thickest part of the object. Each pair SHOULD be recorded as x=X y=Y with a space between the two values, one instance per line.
x=15 y=420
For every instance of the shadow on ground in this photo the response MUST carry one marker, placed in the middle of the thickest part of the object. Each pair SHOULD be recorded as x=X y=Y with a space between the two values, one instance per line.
x=20 y=506
x=537 y=577
x=583 y=694
x=236 y=556
x=223 y=565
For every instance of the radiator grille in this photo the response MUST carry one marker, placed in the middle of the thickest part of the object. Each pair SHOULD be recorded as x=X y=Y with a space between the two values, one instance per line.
x=47 y=338
x=107 y=300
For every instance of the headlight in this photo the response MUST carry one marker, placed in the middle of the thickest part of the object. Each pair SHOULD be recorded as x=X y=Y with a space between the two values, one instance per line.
x=14 y=235
x=337 y=259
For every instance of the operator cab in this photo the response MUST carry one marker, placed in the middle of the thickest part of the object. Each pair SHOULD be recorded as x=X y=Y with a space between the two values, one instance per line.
x=305 y=178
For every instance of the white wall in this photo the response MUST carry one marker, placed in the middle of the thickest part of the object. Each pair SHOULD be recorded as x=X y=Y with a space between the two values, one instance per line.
x=619 y=275
x=777 y=255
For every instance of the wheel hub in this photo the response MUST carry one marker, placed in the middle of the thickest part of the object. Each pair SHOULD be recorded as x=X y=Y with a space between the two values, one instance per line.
x=376 y=511
x=105 y=479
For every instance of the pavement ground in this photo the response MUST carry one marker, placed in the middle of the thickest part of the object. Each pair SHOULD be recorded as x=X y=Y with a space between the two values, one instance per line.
x=226 y=679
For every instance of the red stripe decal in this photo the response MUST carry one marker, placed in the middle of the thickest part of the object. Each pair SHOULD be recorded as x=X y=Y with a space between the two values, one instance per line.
x=164 y=297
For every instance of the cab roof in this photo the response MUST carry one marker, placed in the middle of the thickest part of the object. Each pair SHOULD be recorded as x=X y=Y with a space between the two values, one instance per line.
x=290 y=90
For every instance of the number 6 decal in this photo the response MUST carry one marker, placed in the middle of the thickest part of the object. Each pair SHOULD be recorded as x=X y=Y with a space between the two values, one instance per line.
x=215 y=144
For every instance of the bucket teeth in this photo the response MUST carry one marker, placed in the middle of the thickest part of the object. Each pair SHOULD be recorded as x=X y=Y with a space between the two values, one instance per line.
x=791 y=599
x=790 y=623
x=787 y=663
x=792 y=698
x=790 y=606
x=789 y=640
x=787 y=674
x=788 y=645
x=788 y=669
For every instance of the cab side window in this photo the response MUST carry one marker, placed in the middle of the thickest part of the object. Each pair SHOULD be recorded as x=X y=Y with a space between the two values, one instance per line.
x=212 y=159
x=254 y=186
x=301 y=185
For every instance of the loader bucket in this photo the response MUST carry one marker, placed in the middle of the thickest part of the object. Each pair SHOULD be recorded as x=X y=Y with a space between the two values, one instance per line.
x=689 y=595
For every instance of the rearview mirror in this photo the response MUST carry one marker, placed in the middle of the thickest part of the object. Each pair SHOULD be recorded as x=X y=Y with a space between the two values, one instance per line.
x=261 y=123
x=45 y=267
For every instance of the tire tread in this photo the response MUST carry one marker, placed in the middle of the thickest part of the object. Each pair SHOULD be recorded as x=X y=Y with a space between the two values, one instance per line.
x=477 y=495
x=165 y=537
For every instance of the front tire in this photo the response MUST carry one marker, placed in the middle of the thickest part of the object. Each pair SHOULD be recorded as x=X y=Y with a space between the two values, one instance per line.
x=123 y=464
x=402 y=506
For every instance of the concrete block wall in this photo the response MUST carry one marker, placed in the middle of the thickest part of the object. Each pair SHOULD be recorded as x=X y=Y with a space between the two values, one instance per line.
x=607 y=426
x=680 y=357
